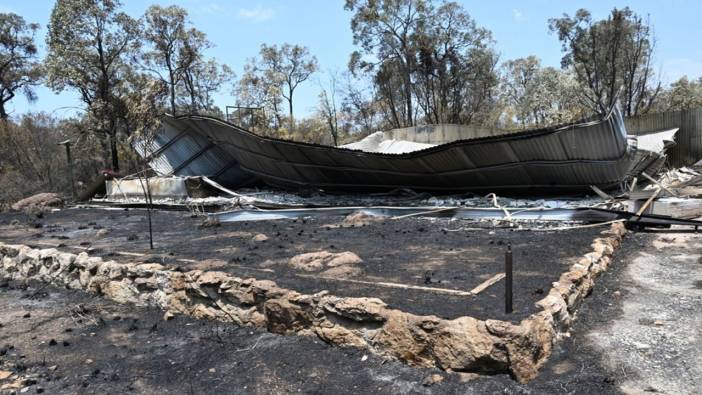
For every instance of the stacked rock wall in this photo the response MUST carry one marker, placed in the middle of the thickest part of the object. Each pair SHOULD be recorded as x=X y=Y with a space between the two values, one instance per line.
x=462 y=344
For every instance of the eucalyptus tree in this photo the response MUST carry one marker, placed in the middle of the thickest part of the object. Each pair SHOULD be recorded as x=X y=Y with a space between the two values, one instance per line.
x=201 y=81
x=20 y=69
x=289 y=65
x=277 y=73
x=385 y=32
x=682 y=94
x=91 y=49
x=537 y=95
x=429 y=60
x=166 y=34
x=608 y=56
x=175 y=54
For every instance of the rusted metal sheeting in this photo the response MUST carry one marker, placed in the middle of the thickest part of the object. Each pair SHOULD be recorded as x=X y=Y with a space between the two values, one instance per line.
x=557 y=159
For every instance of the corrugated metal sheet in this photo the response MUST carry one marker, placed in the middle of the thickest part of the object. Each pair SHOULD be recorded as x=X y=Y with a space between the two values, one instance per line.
x=556 y=159
x=688 y=149
x=185 y=150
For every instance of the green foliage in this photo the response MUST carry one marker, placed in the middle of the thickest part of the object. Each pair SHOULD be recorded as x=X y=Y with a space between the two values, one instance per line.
x=91 y=49
x=610 y=56
x=682 y=94
x=20 y=70
x=274 y=76
x=538 y=96
x=171 y=46
x=430 y=62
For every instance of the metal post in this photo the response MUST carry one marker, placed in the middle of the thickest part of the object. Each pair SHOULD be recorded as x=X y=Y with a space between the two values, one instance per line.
x=150 y=206
x=67 y=144
x=149 y=203
x=508 y=279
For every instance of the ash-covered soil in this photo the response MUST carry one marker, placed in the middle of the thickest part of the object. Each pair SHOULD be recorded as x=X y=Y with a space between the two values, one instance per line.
x=637 y=333
x=422 y=252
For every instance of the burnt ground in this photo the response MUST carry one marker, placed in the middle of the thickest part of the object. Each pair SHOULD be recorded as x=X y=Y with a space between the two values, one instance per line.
x=115 y=348
x=411 y=251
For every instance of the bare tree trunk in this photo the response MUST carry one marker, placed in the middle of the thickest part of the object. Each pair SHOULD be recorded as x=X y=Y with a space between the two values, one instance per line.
x=290 y=106
x=113 y=152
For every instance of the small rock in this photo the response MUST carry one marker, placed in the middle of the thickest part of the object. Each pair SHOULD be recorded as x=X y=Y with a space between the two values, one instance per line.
x=167 y=316
x=5 y=374
x=364 y=357
x=24 y=390
x=52 y=342
x=359 y=218
x=12 y=386
x=52 y=368
x=212 y=370
x=88 y=361
x=641 y=346
x=432 y=379
x=616 y=293
x=464 y=377
x=315 y=261
x=259 y=238
x=102 y=232
x=658 y=323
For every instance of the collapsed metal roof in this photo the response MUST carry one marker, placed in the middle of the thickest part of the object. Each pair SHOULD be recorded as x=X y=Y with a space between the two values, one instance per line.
x=565 y=158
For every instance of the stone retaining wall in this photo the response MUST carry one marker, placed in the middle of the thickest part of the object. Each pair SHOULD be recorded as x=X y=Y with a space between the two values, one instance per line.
x=463 y=344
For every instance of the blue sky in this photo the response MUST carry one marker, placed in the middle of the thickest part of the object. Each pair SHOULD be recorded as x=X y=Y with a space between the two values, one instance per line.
x=238 y=28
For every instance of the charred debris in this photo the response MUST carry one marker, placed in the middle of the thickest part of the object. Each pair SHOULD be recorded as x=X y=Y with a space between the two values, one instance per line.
x=587 y=172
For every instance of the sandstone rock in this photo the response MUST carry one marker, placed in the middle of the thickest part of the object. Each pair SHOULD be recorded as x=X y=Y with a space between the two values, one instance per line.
x=357 y=309
x=310 y=262
x=400 y=338
x=464 y=377
x=344 y=258
x=259 y=238
x=432 y=379
x=316 y=261
x=120 y=292
x=359 y=218
x=340 y=336
x=17 y=384
x=345 y=271
x=463 y=344
x=5 y=374
x=284 y=317
x=40 y=201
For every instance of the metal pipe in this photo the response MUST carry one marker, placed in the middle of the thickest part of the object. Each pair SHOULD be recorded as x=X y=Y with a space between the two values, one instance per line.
x=69 y=159
x=508 y=279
